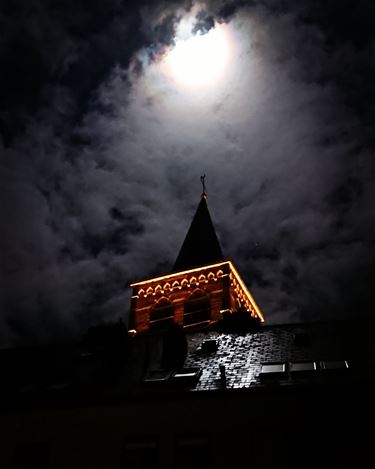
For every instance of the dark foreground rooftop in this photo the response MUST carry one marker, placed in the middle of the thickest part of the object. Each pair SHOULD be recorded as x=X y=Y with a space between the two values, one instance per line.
x=283 y=356
x=275 y=396
x=286 y=355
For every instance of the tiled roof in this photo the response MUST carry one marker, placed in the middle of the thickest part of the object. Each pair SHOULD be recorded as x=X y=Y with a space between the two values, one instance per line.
x=243 y=355
x=304 y=354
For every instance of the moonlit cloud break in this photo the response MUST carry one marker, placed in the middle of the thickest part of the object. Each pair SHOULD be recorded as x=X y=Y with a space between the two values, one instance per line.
x=200 y=60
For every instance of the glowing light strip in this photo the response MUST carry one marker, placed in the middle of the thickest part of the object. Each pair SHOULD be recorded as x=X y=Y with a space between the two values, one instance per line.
x=199 y=269
x=170 y=276
x=247 y=293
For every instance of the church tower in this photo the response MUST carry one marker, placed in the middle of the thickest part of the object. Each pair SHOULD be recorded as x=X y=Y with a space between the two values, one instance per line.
x=202 y=287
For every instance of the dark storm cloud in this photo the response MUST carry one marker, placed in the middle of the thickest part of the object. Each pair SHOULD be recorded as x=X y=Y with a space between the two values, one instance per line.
x=73 y=45
x=327 y=51
x=99 y=183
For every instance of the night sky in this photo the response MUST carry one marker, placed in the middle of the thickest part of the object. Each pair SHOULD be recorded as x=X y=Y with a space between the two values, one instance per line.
x=102 y=149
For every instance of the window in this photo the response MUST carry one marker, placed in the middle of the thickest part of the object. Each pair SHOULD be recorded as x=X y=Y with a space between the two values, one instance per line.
x=302 y=369
x=161 y=315
x=334 y=368
x=197 y=308
x=272 y=371
x=140 y=453
x=187 y=376
x=192 y=452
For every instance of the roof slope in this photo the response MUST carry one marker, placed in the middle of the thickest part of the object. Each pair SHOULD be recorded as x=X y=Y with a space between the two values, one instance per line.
x=201 y=245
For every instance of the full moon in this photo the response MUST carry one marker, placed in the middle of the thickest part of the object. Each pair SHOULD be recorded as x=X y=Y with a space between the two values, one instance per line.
x=199 y=60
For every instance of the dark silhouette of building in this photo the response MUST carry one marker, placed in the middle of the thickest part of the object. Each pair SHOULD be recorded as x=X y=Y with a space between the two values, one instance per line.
x=198 y=381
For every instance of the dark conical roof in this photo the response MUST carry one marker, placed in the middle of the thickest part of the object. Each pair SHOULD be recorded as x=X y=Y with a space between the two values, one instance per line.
x=201 y=246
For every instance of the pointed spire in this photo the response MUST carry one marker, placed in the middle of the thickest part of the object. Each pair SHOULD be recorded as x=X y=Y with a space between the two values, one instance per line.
x=201 y=246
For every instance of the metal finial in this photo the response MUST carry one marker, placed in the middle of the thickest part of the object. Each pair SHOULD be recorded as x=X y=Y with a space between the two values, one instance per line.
x=204 y=193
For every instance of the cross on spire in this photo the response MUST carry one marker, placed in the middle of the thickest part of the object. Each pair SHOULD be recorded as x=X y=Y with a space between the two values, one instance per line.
x=204 y=193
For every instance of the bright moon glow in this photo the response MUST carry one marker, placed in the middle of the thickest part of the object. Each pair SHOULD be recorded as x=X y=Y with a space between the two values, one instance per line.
x=199 y=60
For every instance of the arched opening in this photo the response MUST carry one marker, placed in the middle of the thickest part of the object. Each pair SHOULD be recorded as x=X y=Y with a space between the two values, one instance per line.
x=197 y=308
x=161 y=315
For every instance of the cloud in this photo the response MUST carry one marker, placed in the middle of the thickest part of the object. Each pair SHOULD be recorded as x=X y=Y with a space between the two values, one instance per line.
x=102 y=180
